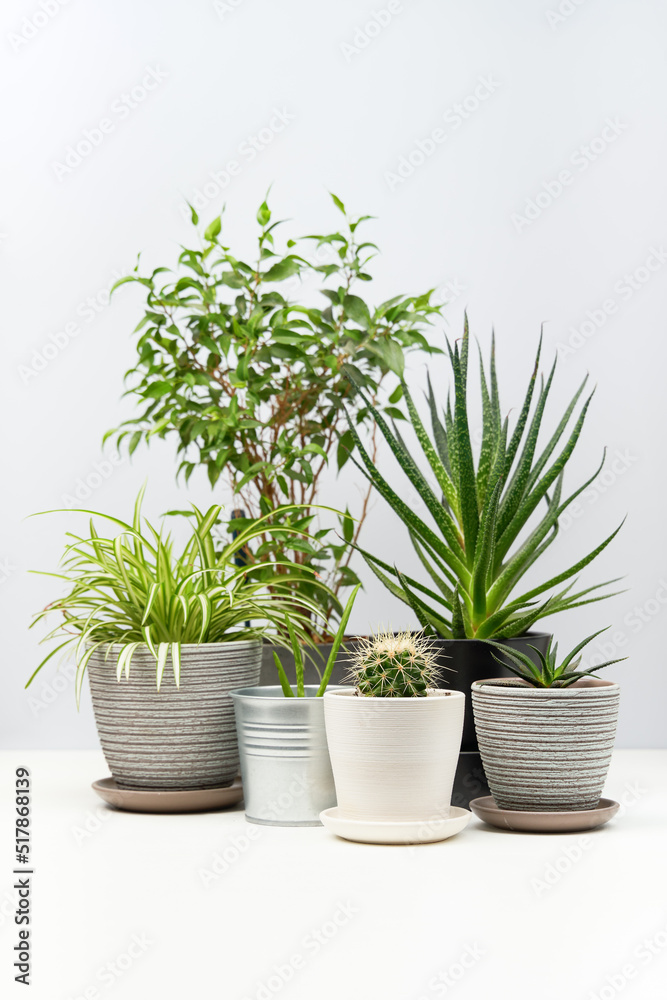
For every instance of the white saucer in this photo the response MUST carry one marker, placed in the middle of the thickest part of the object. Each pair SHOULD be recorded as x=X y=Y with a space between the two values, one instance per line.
x=365 y=831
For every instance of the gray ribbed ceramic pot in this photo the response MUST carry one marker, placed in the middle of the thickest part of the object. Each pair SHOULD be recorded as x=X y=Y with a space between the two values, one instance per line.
x=546 y=749
x=177 y=737
x=285 y=766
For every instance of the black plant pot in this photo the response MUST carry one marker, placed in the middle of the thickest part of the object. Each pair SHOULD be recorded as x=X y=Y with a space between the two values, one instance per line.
x=318 y=656
x=463 y=661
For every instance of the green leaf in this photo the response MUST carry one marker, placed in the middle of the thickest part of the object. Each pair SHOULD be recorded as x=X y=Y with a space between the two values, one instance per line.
x=263 y=215
x=213 y=229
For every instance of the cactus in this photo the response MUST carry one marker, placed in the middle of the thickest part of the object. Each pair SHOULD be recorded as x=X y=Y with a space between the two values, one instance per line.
x=388 y=665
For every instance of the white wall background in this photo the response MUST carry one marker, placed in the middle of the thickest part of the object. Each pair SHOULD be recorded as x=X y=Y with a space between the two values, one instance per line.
x=358 y=99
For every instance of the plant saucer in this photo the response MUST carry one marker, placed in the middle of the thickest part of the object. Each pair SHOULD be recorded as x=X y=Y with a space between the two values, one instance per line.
x=168 y=800
x=543 y=822
x=368 y=831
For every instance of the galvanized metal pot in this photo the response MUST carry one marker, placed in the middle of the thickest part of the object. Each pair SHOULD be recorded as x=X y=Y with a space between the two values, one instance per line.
x=546 y=749
x=285 y=766
x=178 y=737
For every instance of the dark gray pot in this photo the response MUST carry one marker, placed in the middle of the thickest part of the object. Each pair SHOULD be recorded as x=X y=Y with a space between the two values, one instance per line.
x=178 y=737
x=462 y=662
x=315 y=658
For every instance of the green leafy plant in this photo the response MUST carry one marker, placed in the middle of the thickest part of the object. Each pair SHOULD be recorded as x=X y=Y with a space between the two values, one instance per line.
x=546 y=672
x=482 y=541
x=298 y=653
x=250 y=384
x=133 y=590
x=389 y=665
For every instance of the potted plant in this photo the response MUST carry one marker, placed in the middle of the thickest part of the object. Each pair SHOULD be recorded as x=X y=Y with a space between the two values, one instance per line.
x=546 y=735
x=250 y=383
x=135 y=607
x=481 y=534
x=285 y=764
x=394 y=741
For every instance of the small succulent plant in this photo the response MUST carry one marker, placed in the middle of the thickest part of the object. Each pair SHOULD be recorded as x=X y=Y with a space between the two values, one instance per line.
x=549 y=673
x=388 y=665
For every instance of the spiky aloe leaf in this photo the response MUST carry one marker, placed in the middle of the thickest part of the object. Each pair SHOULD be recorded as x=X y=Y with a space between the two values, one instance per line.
x=517 y=435
x=483 y=554
x=533 y=498
x=432 y=457
x=467 y=482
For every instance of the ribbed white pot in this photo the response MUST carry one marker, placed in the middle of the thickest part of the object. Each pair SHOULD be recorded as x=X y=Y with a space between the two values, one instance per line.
x=394 y=759
x=178 y=737
x=546 y=749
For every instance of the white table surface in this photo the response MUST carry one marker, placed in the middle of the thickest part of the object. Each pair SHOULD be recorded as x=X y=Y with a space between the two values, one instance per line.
x=486 y=914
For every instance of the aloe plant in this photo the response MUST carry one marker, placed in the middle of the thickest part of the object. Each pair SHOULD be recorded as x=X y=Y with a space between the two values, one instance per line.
x=132 y=590
x=480 y=543
x=547 y=672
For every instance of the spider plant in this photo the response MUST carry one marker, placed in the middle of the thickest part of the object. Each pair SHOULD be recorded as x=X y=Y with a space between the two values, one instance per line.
x=483 y=537
x=545 y=672
x=298 y=652
x=133 y=590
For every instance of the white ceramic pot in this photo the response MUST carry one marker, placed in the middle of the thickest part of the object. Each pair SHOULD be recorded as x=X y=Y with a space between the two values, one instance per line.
x=546 y=749
x=394 y=759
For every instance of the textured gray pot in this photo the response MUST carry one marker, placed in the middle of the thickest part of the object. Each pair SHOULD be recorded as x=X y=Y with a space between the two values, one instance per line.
x=174 y=738
x=546 y=749
x=285 y=766
x=315 y=660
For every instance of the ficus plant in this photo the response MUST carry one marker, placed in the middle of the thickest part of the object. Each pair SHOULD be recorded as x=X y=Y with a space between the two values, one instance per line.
x=251 y=385
x=134 y=589
x=491 y=515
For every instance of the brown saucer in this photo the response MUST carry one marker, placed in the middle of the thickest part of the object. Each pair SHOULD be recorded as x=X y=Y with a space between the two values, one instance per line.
x=149 y=801
x=543 y=822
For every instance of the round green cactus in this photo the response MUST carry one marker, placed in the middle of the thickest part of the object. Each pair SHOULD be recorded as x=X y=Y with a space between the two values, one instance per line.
x=389 y=665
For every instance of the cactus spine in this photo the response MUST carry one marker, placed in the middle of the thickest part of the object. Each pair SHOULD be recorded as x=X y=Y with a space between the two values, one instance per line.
x=388 y=665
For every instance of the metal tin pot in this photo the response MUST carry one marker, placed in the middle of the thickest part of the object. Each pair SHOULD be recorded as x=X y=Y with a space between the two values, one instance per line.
x=287 y=777
x=178 y=737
